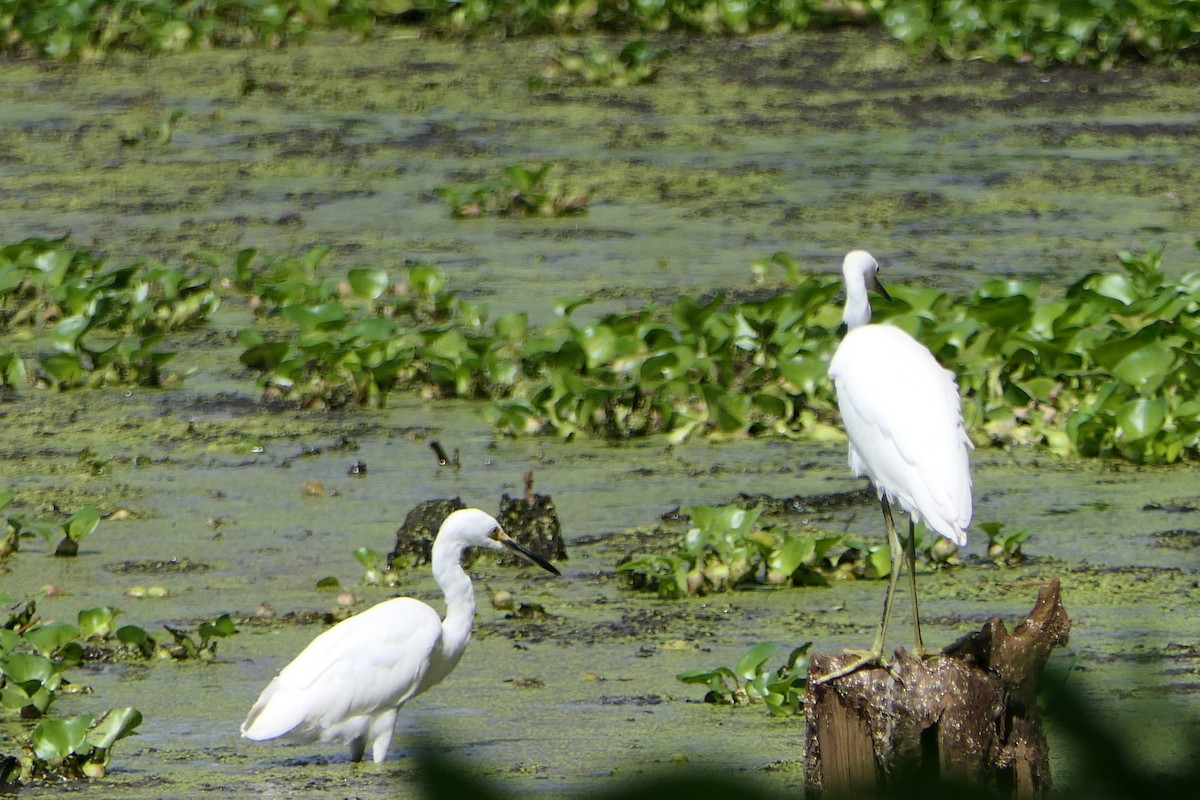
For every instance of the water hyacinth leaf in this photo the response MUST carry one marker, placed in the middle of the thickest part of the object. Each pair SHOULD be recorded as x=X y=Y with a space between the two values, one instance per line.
x=65 y=335
x=880 y=561
x=1086 y=431
x=367 y=557
x=772 y=405
x=1112 y=349
x=500 y=369
x=137 y=638
x=372 y=329
x=324 y=316
x=113 y=726
x=564 y=306
x=1141 y=418
x=806 y=374
x=1003 y=312
x=449 y=345
x=1146 y=367
x=599 y=344
x=220 y=627
x=667 y=365
x=512 y=327
x=425 y=280
x=750 y=664
x=796 y=550
x=64 y=367
x=49 y=637
x=27 y=668
x=265 y=356
x=55 y=739
x=727 y=412
x=369 y=284
x=82 y=523
x=695 y=675
x=1040 y=388
x=1114 y=287
x=97 y=623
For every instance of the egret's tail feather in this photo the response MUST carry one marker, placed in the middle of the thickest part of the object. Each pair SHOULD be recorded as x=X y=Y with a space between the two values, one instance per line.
x=272 y=716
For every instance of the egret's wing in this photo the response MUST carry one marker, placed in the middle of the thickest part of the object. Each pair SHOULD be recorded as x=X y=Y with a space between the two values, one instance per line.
x=373 y=660
x=903 y=415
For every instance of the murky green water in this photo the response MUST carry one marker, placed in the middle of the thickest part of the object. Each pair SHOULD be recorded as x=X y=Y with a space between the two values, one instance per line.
x=810 y=144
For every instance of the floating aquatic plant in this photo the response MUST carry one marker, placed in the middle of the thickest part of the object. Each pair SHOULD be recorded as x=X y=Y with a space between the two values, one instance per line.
x=749 y=681
x=1025 y=30
x=520 y=191
x=33 y=658
x=104 y=323
x=726 y=548
x=635 y=63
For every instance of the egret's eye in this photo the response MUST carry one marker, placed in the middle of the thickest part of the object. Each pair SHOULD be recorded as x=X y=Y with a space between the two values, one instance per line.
x=495 y=534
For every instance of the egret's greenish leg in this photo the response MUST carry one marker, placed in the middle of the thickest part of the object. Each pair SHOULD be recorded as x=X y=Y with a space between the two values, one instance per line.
x=898 y=555
x=910 y=555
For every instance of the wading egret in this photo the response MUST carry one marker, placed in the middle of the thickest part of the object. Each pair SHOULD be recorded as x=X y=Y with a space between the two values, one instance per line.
x=903 y=416
x=350 y=682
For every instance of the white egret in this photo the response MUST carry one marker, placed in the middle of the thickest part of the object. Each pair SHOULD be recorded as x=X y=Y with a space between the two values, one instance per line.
x=902 y=413
x=350 y=682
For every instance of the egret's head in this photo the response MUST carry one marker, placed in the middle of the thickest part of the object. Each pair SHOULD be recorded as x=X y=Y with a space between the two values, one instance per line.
x=860 y=271
x=477 y=528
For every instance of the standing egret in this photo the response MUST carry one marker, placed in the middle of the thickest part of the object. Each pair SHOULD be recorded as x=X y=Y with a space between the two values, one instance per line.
x=903 y=416
x=350 y=682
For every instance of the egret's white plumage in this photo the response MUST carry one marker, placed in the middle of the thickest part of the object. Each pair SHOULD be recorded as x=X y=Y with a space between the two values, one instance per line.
x=350 y=682
x=902 y=413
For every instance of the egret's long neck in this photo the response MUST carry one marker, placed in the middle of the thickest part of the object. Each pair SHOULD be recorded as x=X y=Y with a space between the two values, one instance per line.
x=460 y=597
x=858 y=308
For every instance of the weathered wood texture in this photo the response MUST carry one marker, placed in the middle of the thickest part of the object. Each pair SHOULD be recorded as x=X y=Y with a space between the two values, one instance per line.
x=968 y=715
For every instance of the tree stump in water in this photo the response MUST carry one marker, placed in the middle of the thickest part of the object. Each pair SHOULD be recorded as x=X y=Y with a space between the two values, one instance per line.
x=414 y=537
x=967 y=716
x=533 y=521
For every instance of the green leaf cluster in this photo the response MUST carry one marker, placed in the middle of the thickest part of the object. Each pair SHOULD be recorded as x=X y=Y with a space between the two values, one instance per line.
x=76 y=747
x=104 y=323
x=1004 y=543
x=703 y=366
x=85 y=29
x=1044 y=31
x=520 y=191
x=726 y=548
x=749 y=681
x=635 y=63
x=357 y=340
x=1085 y=32
x=33 y=657
x=1112 y=368
x=99 y=624
x=66 y=534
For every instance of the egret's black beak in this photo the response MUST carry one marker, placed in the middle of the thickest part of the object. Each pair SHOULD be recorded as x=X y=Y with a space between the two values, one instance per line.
x=879 y=287
x=523 y=552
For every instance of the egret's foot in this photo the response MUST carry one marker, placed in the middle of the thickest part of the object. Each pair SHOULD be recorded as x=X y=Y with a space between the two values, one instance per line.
x=866 y=658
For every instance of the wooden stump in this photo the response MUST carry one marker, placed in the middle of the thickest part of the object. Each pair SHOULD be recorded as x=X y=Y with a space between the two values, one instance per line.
x=414 y=537
x=968 y=716
x=532 y=520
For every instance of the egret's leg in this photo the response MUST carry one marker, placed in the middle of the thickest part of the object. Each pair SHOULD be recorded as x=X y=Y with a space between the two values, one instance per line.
x=357 y=746
x=897 y=553
x=910 y=555
x=382 y=728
